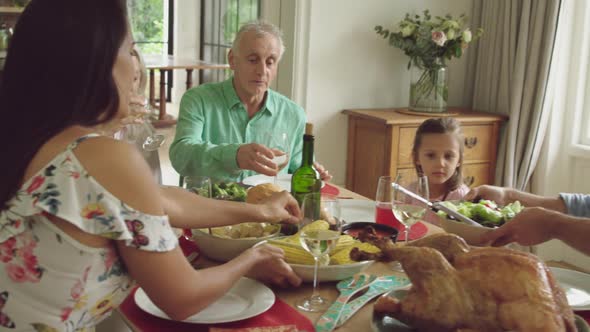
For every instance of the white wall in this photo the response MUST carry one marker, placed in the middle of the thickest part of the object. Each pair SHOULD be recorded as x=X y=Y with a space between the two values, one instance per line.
x=350 y=66
x=340 y=61
x=186 y=41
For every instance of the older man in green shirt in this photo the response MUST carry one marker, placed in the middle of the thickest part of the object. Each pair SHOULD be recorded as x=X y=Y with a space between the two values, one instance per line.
x=221 y=125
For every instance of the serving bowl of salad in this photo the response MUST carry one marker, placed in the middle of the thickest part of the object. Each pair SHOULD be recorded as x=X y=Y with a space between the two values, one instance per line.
x=486 y=213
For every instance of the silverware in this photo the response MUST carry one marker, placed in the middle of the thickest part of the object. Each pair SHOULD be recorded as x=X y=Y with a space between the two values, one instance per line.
x=436 y=206
x=327 y=322
x=382 y=285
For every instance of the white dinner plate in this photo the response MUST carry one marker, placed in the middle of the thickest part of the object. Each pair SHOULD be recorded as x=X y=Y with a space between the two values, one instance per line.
x=576 y=286
x=246 y=299
x=352 y=210
x=283 y=180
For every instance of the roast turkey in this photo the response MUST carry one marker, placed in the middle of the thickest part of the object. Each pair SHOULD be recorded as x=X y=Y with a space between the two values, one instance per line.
x=459 y=288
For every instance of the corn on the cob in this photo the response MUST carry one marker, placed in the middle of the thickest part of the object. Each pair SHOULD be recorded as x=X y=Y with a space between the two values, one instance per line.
x=297 y=255
x=314 y=226
x=343 y=256
x=343 y=242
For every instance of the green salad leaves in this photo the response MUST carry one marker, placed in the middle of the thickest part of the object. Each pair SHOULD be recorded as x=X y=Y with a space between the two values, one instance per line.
x=228 y=191
x=485 y=212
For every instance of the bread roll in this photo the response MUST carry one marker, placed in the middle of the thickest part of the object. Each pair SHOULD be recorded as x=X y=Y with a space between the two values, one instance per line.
x=259 y=193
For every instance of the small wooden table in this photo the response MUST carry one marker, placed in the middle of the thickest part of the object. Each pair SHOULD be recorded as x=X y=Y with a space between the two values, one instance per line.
x=167 y=64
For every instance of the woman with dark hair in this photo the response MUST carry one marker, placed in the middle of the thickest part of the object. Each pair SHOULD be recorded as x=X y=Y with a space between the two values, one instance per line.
x=80 y=213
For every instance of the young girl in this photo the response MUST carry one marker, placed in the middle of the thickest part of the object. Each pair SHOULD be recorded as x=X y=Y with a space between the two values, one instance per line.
x=438 y=154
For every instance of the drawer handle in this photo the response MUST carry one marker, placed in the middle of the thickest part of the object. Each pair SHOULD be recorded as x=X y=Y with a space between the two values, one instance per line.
x=470 y=142
x=469 y=180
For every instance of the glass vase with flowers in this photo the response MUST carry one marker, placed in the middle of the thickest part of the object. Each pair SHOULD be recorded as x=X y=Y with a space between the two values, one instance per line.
x=430 y=43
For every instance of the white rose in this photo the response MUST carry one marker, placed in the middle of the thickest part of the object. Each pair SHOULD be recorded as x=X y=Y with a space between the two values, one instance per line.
x=467 y=36
x=439 y=38
x=451 y=34
x=408 y=30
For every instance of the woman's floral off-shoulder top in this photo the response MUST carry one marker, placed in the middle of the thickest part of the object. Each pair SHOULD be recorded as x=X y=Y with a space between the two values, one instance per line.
x=48 y=280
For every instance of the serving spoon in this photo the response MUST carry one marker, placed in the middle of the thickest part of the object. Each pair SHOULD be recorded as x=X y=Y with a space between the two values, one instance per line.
x=436 y=206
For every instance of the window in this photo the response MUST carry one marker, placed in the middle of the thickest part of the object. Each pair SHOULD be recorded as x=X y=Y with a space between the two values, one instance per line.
x=220 y=21
x=149 y=24
x=579 y=85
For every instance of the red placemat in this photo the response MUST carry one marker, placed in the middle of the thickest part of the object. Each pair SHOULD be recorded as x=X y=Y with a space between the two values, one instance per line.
x=279 y=314
x=584 y=314
x=329 y=189
x=187 y=245
x=417 y=231
x=385 y=216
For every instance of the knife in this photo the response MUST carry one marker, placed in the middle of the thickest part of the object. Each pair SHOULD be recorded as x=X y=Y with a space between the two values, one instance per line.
x=436 y=206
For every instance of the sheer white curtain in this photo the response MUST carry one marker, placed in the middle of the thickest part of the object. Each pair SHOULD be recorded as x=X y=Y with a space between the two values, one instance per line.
x=511 y=75
x=564 y=165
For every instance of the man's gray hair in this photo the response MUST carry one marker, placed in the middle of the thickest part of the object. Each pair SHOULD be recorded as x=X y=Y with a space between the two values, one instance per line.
x=261 y=28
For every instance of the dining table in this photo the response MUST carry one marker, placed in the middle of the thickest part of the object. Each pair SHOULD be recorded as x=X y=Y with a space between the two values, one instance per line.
x=361 y=321
x=358 y=322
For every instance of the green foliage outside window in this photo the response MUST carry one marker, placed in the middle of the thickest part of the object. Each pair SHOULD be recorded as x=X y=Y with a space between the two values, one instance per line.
x=237 y=13
x=147 y=25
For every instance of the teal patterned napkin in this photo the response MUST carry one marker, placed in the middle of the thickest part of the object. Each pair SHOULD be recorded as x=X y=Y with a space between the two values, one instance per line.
x=340 y=311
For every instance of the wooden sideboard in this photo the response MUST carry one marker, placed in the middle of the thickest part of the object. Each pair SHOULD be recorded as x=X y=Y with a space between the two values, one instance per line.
x=380 y=143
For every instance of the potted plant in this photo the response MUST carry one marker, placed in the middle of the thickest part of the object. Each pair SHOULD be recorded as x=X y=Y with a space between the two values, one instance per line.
x=430 y=43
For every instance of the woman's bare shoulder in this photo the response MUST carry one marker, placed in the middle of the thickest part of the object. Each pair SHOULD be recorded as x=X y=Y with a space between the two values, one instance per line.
x=121 y=169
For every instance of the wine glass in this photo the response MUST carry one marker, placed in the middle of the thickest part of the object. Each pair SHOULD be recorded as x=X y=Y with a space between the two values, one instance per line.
x=407 y=209
x=384 y=209
x=318 y=242
x=198 y=184
x=278 y=142
x=143 y=130
x=383 y=200
x=153 y=141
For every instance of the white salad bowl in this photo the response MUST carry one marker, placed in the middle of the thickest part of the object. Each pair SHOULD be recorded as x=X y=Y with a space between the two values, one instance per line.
x=223 y=249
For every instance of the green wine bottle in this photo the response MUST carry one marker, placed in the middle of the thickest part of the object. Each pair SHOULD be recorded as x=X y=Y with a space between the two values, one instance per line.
x=306 y=179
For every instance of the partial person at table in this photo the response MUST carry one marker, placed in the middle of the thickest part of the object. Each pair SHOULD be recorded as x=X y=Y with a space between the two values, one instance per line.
x=132 y=128
x=565 y=217
x=81 y=216
x=437 y=153
x=138 y=131
x=221 y=125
